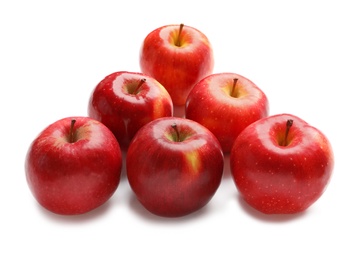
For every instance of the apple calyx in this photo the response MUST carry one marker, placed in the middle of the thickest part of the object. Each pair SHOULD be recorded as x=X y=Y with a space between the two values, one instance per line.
x=289 y=123
x=71 y=132
x=178 y=41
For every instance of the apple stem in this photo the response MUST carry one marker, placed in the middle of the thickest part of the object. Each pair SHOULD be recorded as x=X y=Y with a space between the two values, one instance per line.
x=288 y=126
x=178 y=43
x=139 y=85
x=71 y=133
x=174 y=126
x=234 y=87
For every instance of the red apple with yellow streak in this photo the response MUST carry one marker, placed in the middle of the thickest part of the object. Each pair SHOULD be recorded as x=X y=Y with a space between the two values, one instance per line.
x=174 y=166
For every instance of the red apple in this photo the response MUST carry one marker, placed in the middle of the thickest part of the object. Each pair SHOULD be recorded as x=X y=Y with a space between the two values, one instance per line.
x=125 y=101
x=73 y=166
x=226 y=103
x=281 y=164
x=174 y=166
x=178 y=56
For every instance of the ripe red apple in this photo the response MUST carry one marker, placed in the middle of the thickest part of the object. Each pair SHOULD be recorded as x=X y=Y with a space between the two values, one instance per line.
x=226 y=103
x=125 y=101
x=281 y=164
x=178 y=56
x=174 y=166
x=73 y=166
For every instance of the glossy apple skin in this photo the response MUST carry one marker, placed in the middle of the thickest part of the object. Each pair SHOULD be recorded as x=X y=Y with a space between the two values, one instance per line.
x=278 y=179
x=71 y=178
x=178 y=69
x=170 y=178
x=124 y=112
x=211 y=104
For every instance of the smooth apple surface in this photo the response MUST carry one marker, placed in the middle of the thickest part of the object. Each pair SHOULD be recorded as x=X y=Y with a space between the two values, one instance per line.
x=73 y=166
x=178 y=57
x=174 y=166
x=125 y=101
x=226 y=103
x=281 y=164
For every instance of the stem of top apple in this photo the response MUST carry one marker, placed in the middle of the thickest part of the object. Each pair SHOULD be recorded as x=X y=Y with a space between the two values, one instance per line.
x=289 y=123
x=71 y=132
x=178 y=42
x=234 y=87
x=139 y=85
x=174 y=126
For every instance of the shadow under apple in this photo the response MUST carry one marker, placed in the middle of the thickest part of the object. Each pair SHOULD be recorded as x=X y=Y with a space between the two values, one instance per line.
x=227 y=167
x=143 y=213
x=76 y=219
x=275 y=218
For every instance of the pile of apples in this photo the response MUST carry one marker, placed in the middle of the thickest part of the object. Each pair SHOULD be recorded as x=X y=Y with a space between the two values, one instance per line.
x=174 y=164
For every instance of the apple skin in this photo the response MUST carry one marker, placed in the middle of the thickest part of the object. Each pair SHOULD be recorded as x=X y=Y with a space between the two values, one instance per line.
x=275 y=178
x=71 y=178
x=177 y=68
x=174 y=178
x=115 y=104
x=224 y=110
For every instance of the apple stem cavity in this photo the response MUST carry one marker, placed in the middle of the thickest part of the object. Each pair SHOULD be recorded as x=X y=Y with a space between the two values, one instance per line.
x=174 y=126
x=233 y=94
x=289 y=123
x=141 y=82
x=178 y=42
x=71 y=132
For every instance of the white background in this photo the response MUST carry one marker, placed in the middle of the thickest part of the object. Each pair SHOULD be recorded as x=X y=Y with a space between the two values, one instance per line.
x=305 y=55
